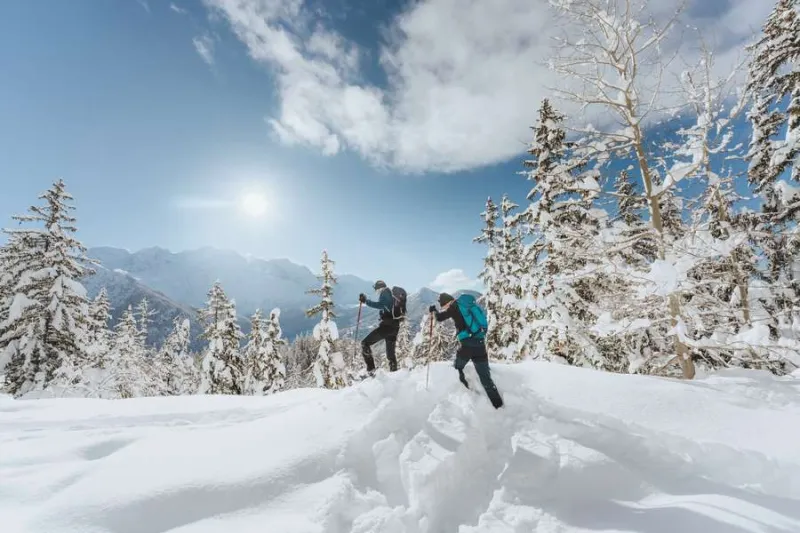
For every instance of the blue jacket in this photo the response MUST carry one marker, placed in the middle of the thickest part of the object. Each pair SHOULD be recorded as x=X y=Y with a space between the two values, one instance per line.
x=384 y=304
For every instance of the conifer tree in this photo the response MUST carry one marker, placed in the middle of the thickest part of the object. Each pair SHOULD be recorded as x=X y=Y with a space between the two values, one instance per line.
x=433 y=342
x=128 y=367
x=511 y=272
x=566 y=228
x=275 y=377
x=329 y=368
x=266 y=372
x=773 y=86
x=769 y=84
x=46 y=325
x=630 y=207
x=490 y=275
x=255 y=360
x=175 y=365
x=99 y=341
x=144 y=318
x=222 y=366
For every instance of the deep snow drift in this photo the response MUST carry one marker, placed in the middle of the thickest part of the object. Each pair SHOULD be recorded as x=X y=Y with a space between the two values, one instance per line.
x=573 y=451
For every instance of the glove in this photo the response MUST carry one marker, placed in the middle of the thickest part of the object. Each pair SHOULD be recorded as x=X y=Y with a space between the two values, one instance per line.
x=432 y=309
x=362 y=298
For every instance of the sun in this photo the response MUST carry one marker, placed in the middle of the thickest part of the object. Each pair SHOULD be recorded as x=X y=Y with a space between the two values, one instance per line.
x=253 y=204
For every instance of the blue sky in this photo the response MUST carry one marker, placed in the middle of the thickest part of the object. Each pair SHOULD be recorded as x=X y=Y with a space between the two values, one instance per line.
x=376 y=132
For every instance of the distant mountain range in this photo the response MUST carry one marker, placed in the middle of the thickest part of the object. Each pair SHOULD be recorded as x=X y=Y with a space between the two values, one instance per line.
x=178 y=283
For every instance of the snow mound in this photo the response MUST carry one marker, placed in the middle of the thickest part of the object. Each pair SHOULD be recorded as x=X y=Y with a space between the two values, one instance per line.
x=573 y=451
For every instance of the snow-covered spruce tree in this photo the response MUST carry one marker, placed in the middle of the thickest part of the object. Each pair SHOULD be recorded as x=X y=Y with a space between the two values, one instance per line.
x=266 y=372
x=144 y=317
x=46 y=326
x=329 y=369
x=222 y=366
x=275 y=379
x=491 y=299
x=300 y=359
x=99 y=340
x=512 y=270
x=561 y=281
x=130 y=373
x=255 y=360
x=433 y=342
x=7 y=282
x=774 y=78
x=174 y=365
x=615 y=55
x=773 y=87
x=631 y=205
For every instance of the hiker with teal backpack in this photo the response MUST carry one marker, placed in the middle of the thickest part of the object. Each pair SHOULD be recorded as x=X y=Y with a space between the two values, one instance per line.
x=470 y=322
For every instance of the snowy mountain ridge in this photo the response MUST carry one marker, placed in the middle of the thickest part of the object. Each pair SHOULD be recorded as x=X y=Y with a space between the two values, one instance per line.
x=181 y=281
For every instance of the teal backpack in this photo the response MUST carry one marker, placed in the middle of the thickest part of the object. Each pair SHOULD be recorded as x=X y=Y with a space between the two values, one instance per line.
x=474 y=317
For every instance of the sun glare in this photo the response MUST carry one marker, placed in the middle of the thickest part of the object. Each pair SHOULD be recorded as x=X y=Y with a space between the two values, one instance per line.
x=253 y=204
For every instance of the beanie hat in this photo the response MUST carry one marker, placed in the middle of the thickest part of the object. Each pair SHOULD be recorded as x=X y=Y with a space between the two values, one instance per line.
x=445 y=299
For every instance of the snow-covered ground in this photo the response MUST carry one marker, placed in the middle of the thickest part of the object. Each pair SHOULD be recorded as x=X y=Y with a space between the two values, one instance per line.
x=573 y=451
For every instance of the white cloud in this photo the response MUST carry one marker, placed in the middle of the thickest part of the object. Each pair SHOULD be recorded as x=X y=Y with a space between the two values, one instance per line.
x=205 y=48
x=464 y=77
x=176 y=9
x=144 y=5
x=455 y=280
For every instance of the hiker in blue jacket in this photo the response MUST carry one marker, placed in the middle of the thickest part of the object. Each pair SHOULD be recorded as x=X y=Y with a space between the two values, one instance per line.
x=387 y=329
x=471 y=334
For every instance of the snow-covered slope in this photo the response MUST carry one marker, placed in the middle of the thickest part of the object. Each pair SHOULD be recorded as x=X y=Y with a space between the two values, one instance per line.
x=573 y=451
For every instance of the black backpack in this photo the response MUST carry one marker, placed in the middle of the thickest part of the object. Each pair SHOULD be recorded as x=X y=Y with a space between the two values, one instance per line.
x=399 y=308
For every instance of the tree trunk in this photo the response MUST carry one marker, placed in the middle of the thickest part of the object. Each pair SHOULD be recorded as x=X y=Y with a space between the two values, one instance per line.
x=687 y=365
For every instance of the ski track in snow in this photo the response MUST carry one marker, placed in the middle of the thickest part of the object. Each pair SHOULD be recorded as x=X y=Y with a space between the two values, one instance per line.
x=572 y=451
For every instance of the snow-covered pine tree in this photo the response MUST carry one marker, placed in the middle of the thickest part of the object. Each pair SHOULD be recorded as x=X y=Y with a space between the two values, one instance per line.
x=144 y=318
x=561 y=281
x=773 y=87
x=255 y=360
x=300 y=358
x=99 y=342
x=222 y=365
x=631 y=205
x=46 y=326
x=492 y=298
x=275 y=377
x=129 y=372
x=511 y=272
x=174 y=365
x=433 y=342
x=329 y=369
x=266 y=371
x=774 y=78
x=7 y=282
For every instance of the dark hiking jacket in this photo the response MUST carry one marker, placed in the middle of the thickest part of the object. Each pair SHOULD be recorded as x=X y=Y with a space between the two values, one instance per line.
x=384 y=305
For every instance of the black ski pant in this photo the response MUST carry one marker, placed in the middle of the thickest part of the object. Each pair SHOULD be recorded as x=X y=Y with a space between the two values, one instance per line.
x=386 y=331
x=477 y=354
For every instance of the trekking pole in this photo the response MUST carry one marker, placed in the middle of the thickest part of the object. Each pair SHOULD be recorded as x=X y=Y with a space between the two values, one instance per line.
x=358 y=323
x=430 y=350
